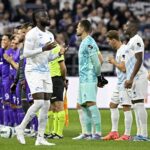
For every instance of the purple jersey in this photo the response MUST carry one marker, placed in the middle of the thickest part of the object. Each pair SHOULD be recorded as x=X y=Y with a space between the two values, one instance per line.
x=6 y=65
x=1 y=61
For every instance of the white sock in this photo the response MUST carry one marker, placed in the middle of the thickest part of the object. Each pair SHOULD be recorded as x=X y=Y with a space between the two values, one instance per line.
x=81 y=118
x=128 y=122
x=137 y=121
x=31 y=113
x=142 y=115
x=114 y=118
x=42 y=120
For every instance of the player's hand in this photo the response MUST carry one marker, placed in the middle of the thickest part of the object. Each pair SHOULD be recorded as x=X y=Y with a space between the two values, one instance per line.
x=13 y=87
x=49 y=46
x=128 y=84
x=66 y=83
x=101 y=81
x=111 y=60
x=9 y=59
x=63 y=50
x=23 y=84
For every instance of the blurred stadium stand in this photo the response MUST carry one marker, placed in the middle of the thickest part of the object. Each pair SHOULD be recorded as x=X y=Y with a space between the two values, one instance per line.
x=64 y=15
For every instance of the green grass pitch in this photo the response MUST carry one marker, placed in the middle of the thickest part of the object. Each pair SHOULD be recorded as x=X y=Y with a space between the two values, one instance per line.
x=73 y=130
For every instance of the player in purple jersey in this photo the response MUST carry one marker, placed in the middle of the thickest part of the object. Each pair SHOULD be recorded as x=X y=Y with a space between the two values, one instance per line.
x=1 y=105
x=15 y=100
x=5 y=44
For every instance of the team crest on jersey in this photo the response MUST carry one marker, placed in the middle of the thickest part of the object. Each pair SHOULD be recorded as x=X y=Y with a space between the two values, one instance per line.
x=138 y=44
x=90 y=46
x=50 y=39
x=123 y=56
x=40 y=35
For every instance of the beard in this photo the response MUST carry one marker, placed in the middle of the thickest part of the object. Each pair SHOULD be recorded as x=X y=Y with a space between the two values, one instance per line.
x=45 y=23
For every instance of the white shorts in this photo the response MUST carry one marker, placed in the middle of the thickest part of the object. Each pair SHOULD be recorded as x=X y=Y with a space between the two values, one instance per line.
x=39 y=83
x=121 y=96
x=140 y=87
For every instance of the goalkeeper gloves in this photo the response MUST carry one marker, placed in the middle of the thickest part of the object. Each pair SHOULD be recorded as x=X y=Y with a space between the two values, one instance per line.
x=101 y=81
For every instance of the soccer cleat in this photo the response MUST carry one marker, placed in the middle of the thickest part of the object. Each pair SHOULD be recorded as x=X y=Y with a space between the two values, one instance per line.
x=111 y=136
x=55 y=136
x=140 y=138
x=42 y=141
x=20 y=135
x=96 y=137
x=78 y=137
x=83 y=136
x=50 y=136
x=124 y=138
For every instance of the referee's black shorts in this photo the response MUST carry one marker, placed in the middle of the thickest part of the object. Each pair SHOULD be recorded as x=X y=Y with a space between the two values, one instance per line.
x=58 y=89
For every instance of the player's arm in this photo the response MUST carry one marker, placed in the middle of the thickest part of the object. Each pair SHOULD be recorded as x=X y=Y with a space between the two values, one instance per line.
x=63 y=69
x=10 y=60
x=59 y=54
x=139 y=59
x=29 y=49
x=100 y=57
x=120 y=66
x=96 y=63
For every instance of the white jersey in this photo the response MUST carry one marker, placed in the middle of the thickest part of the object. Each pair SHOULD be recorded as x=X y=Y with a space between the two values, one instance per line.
x=120 y=57
x=37 y=61
x=135 y=45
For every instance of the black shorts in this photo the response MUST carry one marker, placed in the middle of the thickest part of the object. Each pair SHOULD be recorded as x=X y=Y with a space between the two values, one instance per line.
x=58 y=89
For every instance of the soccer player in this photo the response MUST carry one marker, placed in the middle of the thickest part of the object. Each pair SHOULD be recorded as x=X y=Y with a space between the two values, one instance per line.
x=136 y=77
x=1 y=104
x=26 y=98
x=80 y=113
x=120 y=94
x=58 y=74
x=89 y=70
x=37 y=46
x=5 y=44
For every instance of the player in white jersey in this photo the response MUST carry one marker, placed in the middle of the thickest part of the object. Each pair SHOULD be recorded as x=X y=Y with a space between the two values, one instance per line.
x=37 y=46
x=120 y=94
x=136 y=78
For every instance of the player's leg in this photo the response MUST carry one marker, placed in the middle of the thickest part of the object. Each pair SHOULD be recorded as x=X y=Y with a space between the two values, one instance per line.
x=139 y=92
x=50 y=120
x=125 y=101
x=57 y=99
x=114 y=116
x=42 y=119
x=81 y=119
x=38 y=97
x=91 y=93
x=6 y=101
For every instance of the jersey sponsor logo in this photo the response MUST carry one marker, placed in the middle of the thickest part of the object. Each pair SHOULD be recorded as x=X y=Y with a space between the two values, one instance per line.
x=138 y=44
x=38 y=88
